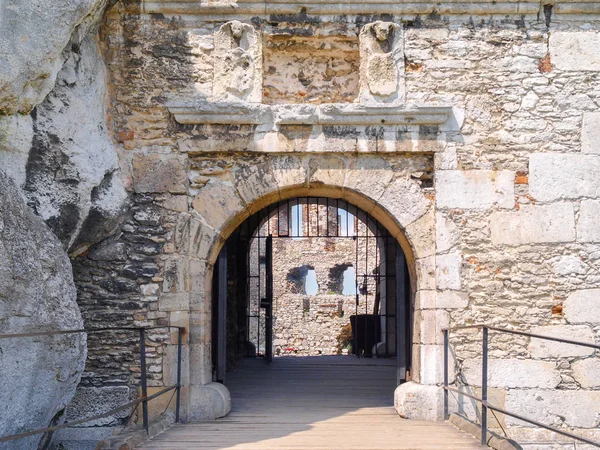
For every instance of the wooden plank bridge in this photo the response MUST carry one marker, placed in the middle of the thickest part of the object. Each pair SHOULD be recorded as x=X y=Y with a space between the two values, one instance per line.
x=313 y=403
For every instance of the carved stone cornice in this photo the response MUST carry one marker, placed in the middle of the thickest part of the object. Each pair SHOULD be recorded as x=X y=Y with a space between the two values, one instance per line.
x=294 y=8
x=272 y=116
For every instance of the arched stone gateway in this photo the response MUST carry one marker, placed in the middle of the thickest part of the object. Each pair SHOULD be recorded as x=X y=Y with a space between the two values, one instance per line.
x=393 y=190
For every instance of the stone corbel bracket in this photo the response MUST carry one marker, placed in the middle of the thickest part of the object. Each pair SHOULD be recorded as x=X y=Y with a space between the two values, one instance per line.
x=323 y=128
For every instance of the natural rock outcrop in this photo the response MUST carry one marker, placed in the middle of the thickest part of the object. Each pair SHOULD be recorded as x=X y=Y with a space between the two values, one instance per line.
x=33 y=37
x=72 y=174
x=53 y=138
x=39 y=374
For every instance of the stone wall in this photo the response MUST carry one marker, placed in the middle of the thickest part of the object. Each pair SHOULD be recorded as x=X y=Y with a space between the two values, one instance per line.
x=470 y=133
x=312 y=324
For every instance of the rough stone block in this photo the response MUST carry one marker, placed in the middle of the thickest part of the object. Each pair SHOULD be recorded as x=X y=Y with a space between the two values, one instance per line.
x=425 y=299
x=289 y=171
x=470 y=408
x=405 y=200
x=432 y=364
x=420 y=234
x=554 y=407
x=513 y=373
x=175 y=274
x=448 y=271
x=583 y=306
x=425 y=268
x=178 y=301
x=419 y=402
x=429 y=326
x=218 y=202
x=446 y=233
x=255 y=181
x=587 y=224
x=542 y=348
x=587 y=372
x=590 y=133
x=534 y=224
x=556 y=176
x=575 y=50
x=209 y=402
x=369 y=175
x=475 y=189
x=170 y=365
x=451 y=300
x=159 y=173
x=90 y=401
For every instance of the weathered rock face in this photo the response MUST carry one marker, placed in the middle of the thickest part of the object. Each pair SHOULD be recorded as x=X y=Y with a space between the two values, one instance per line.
x=39 y=375
x=53 y=140
x=72 y=170
x=33 y=36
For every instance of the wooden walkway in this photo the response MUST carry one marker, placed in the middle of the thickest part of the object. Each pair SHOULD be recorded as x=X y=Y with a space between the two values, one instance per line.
x=321 y=403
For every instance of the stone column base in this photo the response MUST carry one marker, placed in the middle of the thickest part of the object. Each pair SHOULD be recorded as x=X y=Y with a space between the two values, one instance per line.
x=208 y=402
x=419 y=401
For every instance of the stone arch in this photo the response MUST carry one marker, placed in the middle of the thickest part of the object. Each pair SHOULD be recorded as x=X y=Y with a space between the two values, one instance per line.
x=368 y=182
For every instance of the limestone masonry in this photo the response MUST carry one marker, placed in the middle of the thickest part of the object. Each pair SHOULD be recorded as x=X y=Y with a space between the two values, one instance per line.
x=144 y=132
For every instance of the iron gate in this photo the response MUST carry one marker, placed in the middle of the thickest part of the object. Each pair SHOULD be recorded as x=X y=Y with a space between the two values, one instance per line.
x=380 y=321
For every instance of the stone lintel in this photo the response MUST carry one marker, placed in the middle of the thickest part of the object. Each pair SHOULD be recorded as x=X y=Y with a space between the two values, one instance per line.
x=408 y=8
x=271 y=116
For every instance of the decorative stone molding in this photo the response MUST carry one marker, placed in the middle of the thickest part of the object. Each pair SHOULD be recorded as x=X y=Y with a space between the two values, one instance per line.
x=318 y=128
x=220 y=10
x=381 y=63
x=271 y=116
x=237 y=63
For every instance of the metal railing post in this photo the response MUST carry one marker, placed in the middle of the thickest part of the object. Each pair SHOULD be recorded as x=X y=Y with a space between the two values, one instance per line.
x=484 y=386
x=143 y=380
x=178 y=399
x=446 y=344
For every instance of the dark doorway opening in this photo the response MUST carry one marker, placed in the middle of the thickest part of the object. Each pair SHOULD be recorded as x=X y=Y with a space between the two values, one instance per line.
x=283 y=287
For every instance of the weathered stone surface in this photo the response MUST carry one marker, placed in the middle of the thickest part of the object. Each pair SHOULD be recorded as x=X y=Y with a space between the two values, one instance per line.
x=419 y=402
x=33 y=37
x=238 y=66
x=369 y=176
x=478 y=189
x=513 y=373
x=159 y=173
x=217 y=202
x=405 y=201
x=448 y=271
x=446 y=233
x=39 y=375
x=590 y=133
x=541 y=348
x=209 y=402
x=587 y=372
x=534 y=224
x=575 y=50
x=16 y=136
x=554 y=407
x=583 y=306
x=90 y=401
x=382 y=62
x=451 y=300
x=73 y=179
x=555 y=176
x=587 y=223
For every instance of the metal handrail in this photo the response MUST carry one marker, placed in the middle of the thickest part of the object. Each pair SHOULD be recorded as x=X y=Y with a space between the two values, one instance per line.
x=144 y=399
x=485 y=405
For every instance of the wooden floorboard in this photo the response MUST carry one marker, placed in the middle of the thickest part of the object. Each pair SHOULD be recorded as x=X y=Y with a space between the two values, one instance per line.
x=321 y=403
